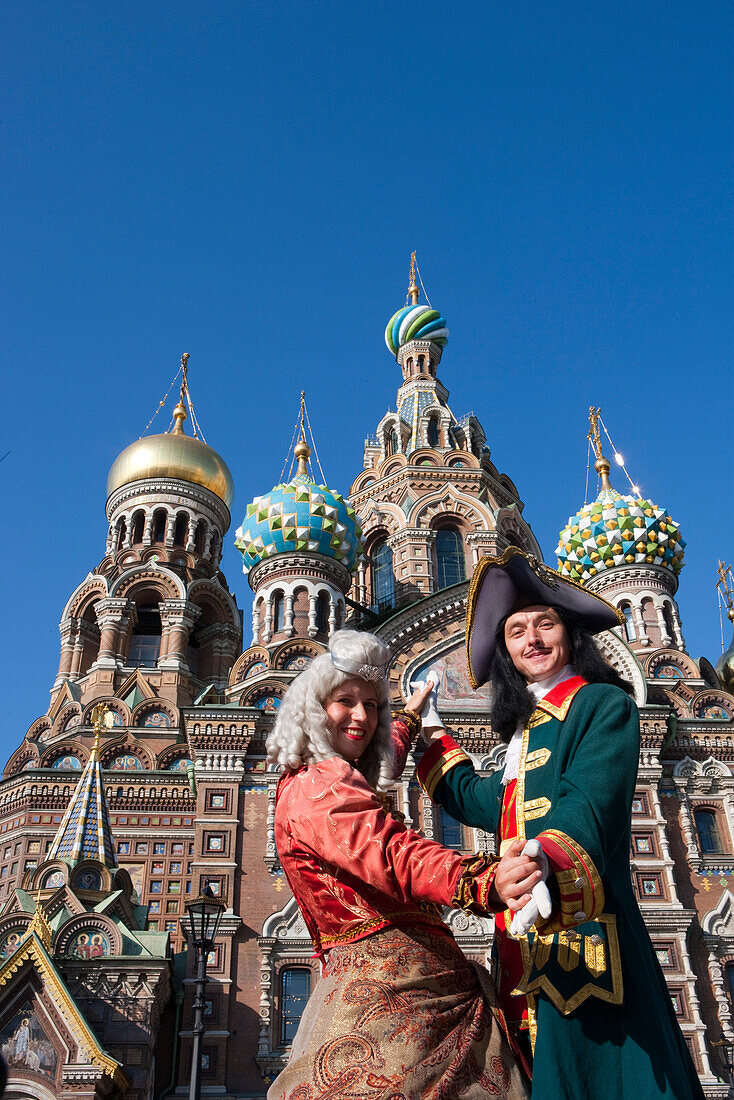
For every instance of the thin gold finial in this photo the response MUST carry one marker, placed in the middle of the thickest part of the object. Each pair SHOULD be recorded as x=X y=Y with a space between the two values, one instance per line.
x=302 y=451
x=724 y=583
x=413 y=292
x=179 y=413
x=601 y=465
x=302 y=416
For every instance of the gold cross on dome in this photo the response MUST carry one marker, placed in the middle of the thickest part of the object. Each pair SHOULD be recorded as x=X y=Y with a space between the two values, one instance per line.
x=724 y=582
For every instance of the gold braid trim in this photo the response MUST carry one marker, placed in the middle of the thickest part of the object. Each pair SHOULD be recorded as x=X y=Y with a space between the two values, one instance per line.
x=475 y=883
x=410 y=719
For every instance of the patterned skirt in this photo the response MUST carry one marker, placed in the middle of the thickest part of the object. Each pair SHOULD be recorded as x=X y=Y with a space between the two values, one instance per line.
x=401 y=1015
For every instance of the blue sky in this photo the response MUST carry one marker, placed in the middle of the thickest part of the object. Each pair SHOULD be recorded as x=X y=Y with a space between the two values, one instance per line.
x=246 y=181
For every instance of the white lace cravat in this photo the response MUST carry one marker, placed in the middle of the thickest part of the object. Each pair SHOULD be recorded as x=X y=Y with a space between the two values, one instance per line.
x=539 y=689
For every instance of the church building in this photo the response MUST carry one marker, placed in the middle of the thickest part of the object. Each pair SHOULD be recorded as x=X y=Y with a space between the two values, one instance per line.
x=145 y=779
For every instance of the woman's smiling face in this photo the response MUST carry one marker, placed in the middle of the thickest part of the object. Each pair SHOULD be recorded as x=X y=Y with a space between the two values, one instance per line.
x=352 y=713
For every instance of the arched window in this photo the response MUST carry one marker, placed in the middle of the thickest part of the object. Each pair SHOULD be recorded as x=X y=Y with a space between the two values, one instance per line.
x=138 y=526
x=452 y=831
x=159 y=525
x=145 y=643
x=708 y=831
x=629 y=623
x=383 y=578
x=180 y=530
x=121 y=532
x=323 y=605
x=392 y=442
x=668 y=620
x=278 y=612
x=199 y=537
x=433 y=436
x=295 y=989
x=450 y=561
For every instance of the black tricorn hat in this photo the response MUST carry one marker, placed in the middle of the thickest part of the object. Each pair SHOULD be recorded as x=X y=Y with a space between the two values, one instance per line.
x=503 y=585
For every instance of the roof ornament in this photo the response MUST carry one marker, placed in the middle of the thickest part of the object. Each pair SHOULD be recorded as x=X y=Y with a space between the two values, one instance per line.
x=300 y=451
x=602 y=464
x=102 y=718
x=185 y=406
x=411 y=298
x=725 y=591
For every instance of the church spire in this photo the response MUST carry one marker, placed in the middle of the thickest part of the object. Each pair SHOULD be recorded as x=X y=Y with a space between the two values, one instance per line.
x=85 y=832
x=413 y=293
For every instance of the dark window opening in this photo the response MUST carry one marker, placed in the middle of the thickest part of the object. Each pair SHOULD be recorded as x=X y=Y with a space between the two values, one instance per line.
x=452 y=831
x=323 y=604
x=383 y=578
x=295 y=989
x=159 y=526
x=708 y=831
x=433 y=438
x=450 y=561
x=180 y=530
x=145 y=643
x=278 y=612
x=138 y=526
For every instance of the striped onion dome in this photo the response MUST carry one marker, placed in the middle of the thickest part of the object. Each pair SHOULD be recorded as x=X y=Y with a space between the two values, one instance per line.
x=299 y=516
x=415 y=323
x=618 y=530
x=85 y=832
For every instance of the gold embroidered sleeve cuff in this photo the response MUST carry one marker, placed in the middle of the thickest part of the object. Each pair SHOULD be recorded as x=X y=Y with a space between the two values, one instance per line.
x=475 y=883
x=409 y=719
x=441 y=756
x=579 y=882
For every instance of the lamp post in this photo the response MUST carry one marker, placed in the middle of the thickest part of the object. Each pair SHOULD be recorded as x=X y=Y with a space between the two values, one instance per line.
x=725 y=1049
x=205 y=913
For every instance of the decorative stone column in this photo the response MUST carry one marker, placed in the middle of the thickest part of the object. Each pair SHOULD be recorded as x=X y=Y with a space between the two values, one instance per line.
x=288 y=624
x=113 y=617
x=148 y=528
x=665 y=638
x=67 y=631
x=312 y=615
x=694 y=856
x=177 y=618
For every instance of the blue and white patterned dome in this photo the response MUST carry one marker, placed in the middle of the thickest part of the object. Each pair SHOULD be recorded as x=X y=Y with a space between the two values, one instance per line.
x=415 y=323
x=299 y=516
x=618 y=530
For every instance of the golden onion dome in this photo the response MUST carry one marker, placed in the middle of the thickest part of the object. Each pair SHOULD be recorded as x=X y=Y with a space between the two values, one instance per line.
x=173 y=455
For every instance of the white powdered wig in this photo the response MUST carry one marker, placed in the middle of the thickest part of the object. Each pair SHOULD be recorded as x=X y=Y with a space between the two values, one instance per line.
x=301 y=733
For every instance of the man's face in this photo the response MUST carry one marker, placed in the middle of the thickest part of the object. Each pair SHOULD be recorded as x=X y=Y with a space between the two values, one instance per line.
x=537 y=642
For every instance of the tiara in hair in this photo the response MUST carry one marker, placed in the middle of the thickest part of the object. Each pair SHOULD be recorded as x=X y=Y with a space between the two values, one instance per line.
x=364 y=672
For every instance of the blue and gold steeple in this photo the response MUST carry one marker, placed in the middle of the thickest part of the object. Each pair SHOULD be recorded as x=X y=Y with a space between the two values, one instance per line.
x=85 y=832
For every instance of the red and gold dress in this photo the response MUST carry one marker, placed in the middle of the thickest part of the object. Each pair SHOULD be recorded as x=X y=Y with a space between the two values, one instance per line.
x=399 y=1013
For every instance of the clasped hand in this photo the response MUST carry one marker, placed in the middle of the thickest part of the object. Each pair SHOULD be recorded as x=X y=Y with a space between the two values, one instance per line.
x=519 y=884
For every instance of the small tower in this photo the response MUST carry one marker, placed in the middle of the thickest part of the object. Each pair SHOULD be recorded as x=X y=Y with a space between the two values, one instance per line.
x=725 y=663
x=157 y=601
x=299 y=545
x=630 y=551
x=431 y=501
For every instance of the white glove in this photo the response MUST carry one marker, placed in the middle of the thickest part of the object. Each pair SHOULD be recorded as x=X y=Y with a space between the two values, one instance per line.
x=540 y=904
x=429 y=713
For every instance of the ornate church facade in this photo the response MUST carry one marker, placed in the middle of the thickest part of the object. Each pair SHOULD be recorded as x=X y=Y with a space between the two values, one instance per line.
x=106 y=830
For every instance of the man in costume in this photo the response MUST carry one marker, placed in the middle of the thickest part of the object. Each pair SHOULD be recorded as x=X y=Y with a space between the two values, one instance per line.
x=578 y=977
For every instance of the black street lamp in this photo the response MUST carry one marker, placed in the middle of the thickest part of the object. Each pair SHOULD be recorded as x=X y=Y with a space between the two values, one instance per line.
x=205 y=913
x=725 y=1049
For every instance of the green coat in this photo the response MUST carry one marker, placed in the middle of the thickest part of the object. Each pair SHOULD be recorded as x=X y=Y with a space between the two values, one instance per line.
x=602 y=1017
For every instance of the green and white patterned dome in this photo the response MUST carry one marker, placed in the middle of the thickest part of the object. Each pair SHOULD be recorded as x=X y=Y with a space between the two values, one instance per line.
x=618 y=530
x=299 y=516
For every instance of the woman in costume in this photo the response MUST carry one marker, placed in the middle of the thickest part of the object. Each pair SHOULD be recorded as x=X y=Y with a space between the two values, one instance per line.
x=399 y=1011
